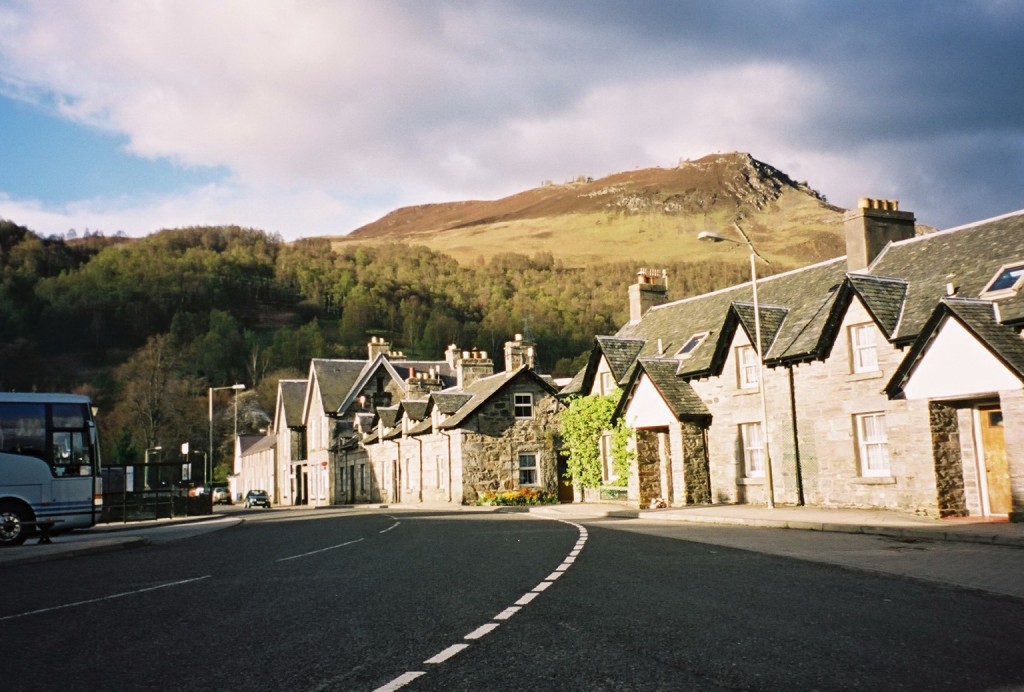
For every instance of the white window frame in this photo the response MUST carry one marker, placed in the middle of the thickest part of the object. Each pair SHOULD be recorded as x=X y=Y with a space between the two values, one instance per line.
x=872 y=444
x=864 y=347
x=607 y=383
x=753 y=449
x=691 y=345
x=534 y=468
x=607 y=463
x=1005 y=270
x=748 y=369
x=522 y=401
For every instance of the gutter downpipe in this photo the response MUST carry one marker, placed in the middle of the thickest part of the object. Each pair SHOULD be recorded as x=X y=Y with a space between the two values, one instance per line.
x=796 y=438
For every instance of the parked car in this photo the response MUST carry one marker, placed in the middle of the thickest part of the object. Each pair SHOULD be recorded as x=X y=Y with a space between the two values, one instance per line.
x=257 y=498
x=221 y=496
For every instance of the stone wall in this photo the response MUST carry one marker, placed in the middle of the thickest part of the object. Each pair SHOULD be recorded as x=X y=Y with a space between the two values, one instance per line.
x=827 y=396
x=492 y=440
x=696 y=475
x=648 y=466
x=949 y=476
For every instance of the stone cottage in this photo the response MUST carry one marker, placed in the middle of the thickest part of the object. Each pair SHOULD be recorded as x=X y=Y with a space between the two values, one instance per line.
x=891 y=377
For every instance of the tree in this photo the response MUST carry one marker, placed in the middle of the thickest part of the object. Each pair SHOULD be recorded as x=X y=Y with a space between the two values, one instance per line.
x=583 y=423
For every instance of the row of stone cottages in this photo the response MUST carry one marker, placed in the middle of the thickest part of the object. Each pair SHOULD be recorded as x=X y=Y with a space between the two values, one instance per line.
x=893 y=377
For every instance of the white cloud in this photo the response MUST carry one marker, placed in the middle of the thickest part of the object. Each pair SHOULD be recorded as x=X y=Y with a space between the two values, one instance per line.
x=324 y=111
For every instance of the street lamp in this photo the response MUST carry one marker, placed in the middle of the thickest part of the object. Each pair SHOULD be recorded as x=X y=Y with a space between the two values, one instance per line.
x=715 y=238
x=237 y=388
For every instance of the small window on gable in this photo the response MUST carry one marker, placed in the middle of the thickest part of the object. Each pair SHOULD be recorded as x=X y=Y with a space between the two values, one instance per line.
x=863 y=351
x=1006 y=280
x=522 y=405
x=690 y=346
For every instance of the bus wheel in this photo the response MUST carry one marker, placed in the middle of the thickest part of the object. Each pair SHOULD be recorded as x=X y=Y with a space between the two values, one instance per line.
x=13 y=518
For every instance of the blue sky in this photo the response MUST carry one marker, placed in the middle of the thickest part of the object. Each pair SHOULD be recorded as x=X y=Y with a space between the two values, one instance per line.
x=313 y=117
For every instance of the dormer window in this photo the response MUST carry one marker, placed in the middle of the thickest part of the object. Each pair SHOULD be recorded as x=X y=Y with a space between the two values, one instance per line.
x=1006 y=281
x=690 y=346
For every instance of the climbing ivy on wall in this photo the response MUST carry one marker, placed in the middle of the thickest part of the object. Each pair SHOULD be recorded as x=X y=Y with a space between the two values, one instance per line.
x=582 y=424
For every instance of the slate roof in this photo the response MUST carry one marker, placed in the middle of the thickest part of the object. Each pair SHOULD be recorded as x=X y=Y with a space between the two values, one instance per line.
x=483 y=389
x=968 y=256
x=448 y=402
x=293 y=393
x=620 y=354
x=254 y=444
x=796 y=307
x=677 y=392
x=883 y=298
x=802 y=310
x=336 y=378
x=978 y=317
x=416 y=409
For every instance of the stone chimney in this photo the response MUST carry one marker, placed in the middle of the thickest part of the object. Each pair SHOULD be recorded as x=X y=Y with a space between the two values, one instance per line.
x=379 y=345
x=453 y=355
x=519 y=352
x=873 y=225
x=419 y=385
x=472 y=366
x=650 y=289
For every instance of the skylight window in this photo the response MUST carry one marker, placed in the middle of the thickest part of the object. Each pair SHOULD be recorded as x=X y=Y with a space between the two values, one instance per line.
x=690 y=346
x=1006 y=280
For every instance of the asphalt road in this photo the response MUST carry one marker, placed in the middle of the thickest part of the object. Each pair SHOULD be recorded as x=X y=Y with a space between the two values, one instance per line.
x=347 y=600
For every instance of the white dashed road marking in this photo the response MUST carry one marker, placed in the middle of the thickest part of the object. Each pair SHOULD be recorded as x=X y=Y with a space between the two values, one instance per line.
x=406 y=678
x=314 y=552
x=103 y=598
x=447 y=653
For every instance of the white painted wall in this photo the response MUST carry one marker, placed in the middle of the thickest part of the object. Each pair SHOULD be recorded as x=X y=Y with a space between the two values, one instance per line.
x=956 y=364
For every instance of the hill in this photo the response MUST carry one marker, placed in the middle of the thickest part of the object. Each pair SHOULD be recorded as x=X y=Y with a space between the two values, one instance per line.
x=651 y=214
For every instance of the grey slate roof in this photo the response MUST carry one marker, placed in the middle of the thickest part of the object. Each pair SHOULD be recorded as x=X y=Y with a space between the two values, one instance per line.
x=483 y=389
x=335 y=378
x=971 y=254
x=883 y=298
x=620 y=354
x=416 y=409
x=677 y=392
x=293 y=393
x=801 y=310
x=796 y=308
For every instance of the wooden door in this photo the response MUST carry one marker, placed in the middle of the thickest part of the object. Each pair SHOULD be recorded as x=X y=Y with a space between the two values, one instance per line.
x=997 y=469
x=565 y=489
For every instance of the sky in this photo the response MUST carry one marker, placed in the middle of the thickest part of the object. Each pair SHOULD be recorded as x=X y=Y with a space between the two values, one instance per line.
x=314 y=117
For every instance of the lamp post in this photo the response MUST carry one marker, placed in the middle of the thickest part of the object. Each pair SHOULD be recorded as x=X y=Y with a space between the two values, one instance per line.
x=237 y=388
x=715 y=238
x=149 y=475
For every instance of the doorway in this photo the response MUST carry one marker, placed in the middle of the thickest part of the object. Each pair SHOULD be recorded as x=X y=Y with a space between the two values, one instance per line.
x=995 y=468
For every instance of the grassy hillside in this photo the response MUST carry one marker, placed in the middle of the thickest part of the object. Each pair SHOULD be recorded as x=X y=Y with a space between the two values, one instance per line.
x=647 y=216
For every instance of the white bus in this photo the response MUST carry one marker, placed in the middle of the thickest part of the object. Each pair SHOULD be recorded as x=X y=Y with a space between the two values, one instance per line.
x=49 y=464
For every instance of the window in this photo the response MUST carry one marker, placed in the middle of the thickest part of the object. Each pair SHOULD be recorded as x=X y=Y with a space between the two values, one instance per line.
x=753 y=450
x=1006 y=280
x=749 y=368
x=522 y=405
x=607 y=383
x=607 y=464
x=862 y=348
x=527 y=468
x=872 y=444
x=690 y=346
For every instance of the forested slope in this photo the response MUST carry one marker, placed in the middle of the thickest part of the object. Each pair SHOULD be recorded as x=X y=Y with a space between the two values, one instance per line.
x=145 y=326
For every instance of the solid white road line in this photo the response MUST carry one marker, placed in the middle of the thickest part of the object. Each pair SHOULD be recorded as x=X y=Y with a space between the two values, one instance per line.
x=103 y=598
x=390 y=527
x=314 y=552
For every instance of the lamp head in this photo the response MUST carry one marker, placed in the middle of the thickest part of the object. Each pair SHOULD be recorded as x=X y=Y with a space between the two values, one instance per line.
x=238 y=387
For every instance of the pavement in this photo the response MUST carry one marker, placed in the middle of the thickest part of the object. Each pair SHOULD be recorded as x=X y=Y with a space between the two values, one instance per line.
x=986 y=530
x=108 y=537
